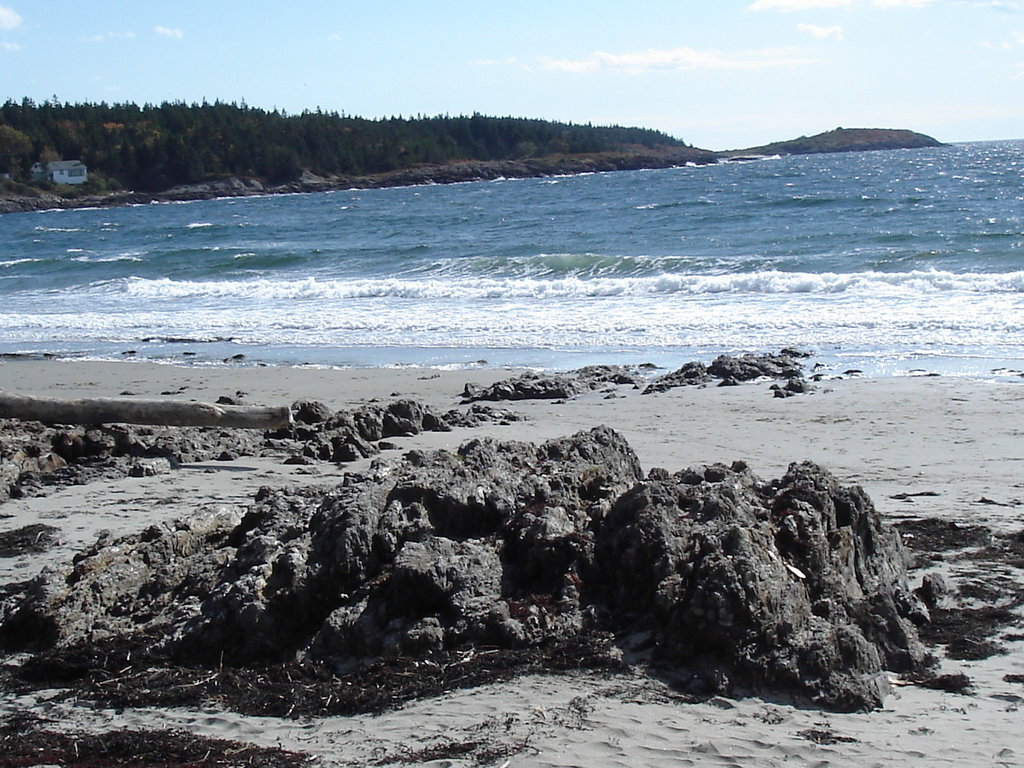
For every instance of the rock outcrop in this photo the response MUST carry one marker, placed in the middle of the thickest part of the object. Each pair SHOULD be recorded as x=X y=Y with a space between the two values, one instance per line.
x=693 y=373
x=728 y=369
x=729 y=583
x=732 y=369
x=35 y=456
x=554 y=386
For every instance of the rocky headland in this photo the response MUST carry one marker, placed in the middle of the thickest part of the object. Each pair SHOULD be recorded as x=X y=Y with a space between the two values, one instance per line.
x=20 y=198
x=26 y=198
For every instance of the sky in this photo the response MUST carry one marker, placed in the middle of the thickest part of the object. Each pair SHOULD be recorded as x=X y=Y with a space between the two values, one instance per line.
x=714 y=73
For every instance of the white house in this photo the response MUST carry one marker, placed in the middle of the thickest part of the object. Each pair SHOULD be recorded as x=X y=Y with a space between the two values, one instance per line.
x=61 y=172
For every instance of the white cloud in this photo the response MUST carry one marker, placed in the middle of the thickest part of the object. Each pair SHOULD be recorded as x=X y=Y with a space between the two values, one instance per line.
x=12 y=46
x=174 y=34
x=583 y=66
x=9 y=18
x=510 y=61
x=107 y=36
x=821 y=32
x=787 y=6
x=679 y=59
x=902 y=3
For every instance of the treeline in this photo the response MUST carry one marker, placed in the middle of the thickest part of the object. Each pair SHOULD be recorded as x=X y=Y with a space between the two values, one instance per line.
x=156 y=147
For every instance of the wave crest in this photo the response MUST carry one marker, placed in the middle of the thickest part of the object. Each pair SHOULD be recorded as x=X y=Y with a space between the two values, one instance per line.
x=757 y=283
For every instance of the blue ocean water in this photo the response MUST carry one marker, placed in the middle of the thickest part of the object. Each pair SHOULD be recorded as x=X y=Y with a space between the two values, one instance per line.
x=889 y=262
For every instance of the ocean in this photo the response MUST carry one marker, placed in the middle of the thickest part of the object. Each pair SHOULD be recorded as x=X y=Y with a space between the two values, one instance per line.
x=890 y=263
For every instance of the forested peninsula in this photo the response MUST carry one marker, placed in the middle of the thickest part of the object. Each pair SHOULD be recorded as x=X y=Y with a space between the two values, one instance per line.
x=178 y=151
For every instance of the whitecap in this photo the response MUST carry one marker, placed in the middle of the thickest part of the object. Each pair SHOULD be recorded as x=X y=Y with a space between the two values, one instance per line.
x=868 y=285
x=15 y=262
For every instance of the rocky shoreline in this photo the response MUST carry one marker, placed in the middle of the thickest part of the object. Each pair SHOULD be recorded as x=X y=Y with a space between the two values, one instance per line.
x=506 y=557
x=727 y=582
x=721 y=580
x=35 y=458
x=839 y=140
x=450 y=173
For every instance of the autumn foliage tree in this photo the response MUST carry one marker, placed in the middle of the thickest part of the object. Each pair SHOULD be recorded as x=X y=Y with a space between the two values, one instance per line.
x=14 y=147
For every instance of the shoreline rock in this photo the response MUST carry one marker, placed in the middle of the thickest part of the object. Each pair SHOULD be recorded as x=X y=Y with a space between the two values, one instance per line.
x=728 y=369
x=732 y=370
x=727 y=583
x=34 y=456
x=554 y=386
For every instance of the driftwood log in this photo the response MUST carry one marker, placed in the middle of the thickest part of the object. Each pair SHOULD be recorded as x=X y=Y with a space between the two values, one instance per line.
x=171 y=413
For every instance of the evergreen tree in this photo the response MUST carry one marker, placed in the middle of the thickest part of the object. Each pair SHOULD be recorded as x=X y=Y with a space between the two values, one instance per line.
x=154 y=147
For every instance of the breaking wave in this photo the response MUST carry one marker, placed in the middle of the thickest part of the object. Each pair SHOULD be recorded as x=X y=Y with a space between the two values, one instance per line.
x=757 y=283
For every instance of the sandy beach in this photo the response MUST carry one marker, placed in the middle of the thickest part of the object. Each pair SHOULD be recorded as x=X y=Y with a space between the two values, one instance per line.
x=923 y=448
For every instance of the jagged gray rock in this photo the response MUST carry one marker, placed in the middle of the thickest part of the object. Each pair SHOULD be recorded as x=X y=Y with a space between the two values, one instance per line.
x=749 y=367
x=34 y=456
x=553 y=386
x=691 y=374
x=729 y=582
x=730 y=370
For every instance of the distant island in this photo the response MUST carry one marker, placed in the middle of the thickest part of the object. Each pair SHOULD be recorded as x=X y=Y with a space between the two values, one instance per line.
x=841 y=140
x=124 y=154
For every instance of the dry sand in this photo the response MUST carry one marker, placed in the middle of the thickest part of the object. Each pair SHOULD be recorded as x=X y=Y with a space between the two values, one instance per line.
x=960 y=441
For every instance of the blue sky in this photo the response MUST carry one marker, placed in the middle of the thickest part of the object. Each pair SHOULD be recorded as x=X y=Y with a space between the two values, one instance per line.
x=714 y=73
